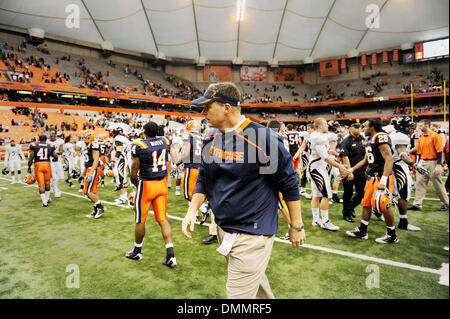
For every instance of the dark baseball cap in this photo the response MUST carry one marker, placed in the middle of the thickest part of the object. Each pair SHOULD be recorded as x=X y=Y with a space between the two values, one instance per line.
x=211 y=96
x=354 y=122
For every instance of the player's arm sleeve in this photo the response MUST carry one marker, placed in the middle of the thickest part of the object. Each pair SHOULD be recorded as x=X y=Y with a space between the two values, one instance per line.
x=285 y=177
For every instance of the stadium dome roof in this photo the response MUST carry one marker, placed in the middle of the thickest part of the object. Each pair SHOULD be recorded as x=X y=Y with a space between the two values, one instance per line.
x=287 y=30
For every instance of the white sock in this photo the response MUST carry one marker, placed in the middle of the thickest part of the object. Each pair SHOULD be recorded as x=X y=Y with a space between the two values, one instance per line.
x=334 y=192
x=203 y=208
x=364 y=222
x=302 y=189
x=137 y=245
x=123 y=196
x=177 y=188
x=97 y=203
x=324 y=215
x=169 y=245
x=403 y=216
x=315 y=213
x=44 y=200
x=47 y=195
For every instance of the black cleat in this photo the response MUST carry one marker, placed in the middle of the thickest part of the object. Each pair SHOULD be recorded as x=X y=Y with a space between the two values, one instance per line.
x=444 y=208
x=170 y=262
x=118 y=188
x=205 y=216
x=357 y=234
x=353 y=214
x=336 y=198
x=100 y=212
x=92 y=215
x=387 y=239
x=132 y=255
x=44 y=205
x=211 y=239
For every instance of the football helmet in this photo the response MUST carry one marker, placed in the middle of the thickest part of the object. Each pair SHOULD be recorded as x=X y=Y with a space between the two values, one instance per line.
x=402 y=124
x=192 y=126
x=131 y=200
x=5 y=171
x=29 y=179
x=75 y=173
x=381 y=201
x=90 y=136
x=117 y=131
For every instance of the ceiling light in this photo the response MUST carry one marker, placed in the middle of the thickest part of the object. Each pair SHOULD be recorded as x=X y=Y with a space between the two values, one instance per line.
x=240 y=10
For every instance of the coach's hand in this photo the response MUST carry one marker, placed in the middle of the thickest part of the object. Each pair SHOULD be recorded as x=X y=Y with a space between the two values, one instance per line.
x=189 y=220
x=297 y=238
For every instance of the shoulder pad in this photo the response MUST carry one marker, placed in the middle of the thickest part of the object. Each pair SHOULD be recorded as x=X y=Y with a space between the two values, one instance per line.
x=318 y=138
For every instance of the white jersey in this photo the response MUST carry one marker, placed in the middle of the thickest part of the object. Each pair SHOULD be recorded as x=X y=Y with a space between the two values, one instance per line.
x=319 y=150
x=69 y=150
x=398 y=138
x=13 y=153
x=56 y=144
x=177 y=140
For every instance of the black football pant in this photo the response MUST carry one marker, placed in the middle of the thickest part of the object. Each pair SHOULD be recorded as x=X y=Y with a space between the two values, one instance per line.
x=352 y=199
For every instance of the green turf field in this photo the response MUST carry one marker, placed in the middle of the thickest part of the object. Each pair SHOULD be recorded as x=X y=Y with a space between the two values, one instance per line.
x=38 y=244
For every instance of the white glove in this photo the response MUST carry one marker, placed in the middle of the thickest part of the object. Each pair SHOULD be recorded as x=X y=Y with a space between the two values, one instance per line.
x=420 y=169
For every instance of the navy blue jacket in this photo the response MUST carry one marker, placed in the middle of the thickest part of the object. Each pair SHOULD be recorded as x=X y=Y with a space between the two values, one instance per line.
x=241 y=174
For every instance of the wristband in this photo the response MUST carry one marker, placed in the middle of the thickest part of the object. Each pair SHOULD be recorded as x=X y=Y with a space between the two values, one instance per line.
x=383 y=180
x=302 y=226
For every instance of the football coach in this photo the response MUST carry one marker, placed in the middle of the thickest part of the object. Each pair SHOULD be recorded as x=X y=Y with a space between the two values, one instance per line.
x=244 y=168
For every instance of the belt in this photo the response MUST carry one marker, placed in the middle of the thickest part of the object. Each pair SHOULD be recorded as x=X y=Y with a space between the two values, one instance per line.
x=429 y=159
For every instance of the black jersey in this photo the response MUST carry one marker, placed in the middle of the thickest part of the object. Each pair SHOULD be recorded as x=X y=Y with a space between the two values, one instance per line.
x=374 y=156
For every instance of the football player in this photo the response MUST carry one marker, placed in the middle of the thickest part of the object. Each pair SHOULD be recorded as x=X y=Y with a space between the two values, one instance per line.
x=319 y=176
x=148 y=174
x=334 y=171
x=403 y=180
x=294 y=144
x=92 y=173
x=190 y=157
x=40 y=154
x=304 y=153
x=177 y=170
x=13 y=156
x=68 y=152
x=380 y=179
x=277 y=127
x=57 y=168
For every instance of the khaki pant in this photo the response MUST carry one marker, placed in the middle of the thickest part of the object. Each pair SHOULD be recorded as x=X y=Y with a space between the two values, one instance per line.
x=247 y=263
x=422 y=183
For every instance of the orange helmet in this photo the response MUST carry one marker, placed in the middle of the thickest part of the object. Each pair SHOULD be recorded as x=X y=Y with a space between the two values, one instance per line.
x=192 y=126
x=109 y=172
x=89 y=136
x=381 y=201
x=29 y=179
x=131 y=200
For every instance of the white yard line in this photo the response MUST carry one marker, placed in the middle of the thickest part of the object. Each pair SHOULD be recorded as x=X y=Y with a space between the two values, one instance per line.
x=443 y=272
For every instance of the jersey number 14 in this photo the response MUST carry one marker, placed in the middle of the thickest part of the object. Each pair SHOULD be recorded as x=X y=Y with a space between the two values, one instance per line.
x=159 y=161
